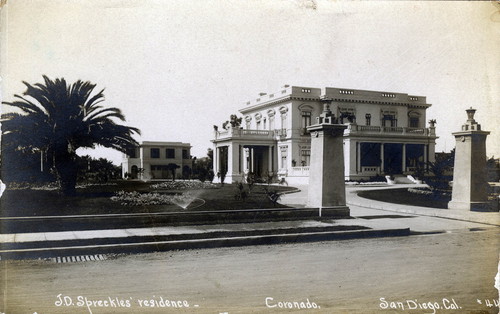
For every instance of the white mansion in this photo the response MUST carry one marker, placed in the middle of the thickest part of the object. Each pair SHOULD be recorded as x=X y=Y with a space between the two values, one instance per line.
x=386 y=133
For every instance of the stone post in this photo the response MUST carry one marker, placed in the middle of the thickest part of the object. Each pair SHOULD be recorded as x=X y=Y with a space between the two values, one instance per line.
x=326 y=172
x=470 y=186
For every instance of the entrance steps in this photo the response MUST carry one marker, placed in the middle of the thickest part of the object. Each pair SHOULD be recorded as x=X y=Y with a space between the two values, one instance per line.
x=401 y=179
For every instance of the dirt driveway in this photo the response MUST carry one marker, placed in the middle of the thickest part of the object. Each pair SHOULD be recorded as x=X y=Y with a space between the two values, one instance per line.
x=454 y=269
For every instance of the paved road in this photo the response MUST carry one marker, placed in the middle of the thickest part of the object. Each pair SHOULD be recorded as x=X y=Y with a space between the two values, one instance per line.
x=348 y=276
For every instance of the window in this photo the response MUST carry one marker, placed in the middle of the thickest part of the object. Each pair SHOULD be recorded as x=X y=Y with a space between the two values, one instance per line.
x=389 y=120
x=271 y=113
x=258 y=125
x=347 y=115
x=368 y=119
x=265 y=124
x=132 y=153
x=155 y=153
x=284 y=153
x=414 y=122
x=248 y=120
x=283 y=121
x=170 y=152
x=413 y=119
x=185 y=154
x=305 y=157
x=306 y=119
x=283 y=161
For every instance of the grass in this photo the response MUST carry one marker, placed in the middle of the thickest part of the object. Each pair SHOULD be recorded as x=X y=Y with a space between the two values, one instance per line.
x=97 y=200
x=403 y=196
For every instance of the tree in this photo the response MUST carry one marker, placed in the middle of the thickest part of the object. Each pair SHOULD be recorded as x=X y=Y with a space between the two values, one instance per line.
x=171 y=167
x=202 y=167
x=210 y=154
x=443 y=164
x=58 y=118
x=100 y=170
x=233 y=121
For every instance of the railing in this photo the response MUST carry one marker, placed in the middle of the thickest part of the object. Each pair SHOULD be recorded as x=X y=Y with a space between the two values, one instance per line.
x=392 y=129
x=415 y=130
x=236 y=132
x=353 y=128
x=281 y=132
x=299 y=171
x=255 y=132
x=368 y=128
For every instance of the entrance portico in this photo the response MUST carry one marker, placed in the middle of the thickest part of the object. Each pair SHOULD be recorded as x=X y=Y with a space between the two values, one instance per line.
x=239 y=158
x=258 y=159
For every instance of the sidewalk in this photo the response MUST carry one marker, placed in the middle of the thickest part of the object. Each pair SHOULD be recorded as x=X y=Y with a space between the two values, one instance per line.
x=181 y=231
x=359 y=206
x=145 y=240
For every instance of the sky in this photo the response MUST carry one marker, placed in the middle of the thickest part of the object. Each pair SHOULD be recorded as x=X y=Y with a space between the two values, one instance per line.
x=176 y=68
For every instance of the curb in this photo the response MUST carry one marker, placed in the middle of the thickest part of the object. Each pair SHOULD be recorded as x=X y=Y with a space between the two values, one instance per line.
x=146 y=247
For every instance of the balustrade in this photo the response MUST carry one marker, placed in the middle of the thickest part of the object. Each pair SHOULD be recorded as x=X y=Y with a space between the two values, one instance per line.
x=235 y=132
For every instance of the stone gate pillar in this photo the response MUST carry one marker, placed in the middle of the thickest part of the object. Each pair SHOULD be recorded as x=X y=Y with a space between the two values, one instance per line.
x=326 y=172
x=470 y=186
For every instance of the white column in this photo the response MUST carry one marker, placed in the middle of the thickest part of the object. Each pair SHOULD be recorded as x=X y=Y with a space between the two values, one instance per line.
x=270 y=159
x=358 y=157
x=232 y=162
x=41 y=160
x=241 y=154
x=382 y=158
x=216 y=159
x=246 y=155
x=432 y=152
x=252 y=160
x=404 y=158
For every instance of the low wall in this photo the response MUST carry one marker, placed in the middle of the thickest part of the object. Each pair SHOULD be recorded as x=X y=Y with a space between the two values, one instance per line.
x=251 y=215
x=162 y=219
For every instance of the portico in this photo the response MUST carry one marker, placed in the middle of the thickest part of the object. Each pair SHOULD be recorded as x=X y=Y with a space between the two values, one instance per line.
x=237 y=156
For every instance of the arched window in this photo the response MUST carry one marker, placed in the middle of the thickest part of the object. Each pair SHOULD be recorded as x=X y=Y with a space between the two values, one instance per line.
x=306 y=116
x=248 y=121
x=283 y=111
x=270 y=114
x=389 y=118
x=347 y=115
x=413 y=119
x=258 y=118
x=368 y=119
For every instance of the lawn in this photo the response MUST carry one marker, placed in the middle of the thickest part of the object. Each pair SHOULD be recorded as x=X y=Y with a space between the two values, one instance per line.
x=403 y=196
x=97 y=199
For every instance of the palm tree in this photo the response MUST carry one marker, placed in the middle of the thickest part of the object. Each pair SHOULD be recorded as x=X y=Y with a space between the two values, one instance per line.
x=57 y=119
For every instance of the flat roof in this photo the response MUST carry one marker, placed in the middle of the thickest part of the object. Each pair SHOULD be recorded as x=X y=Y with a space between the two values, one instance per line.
x=160 y=143
x=288 y=92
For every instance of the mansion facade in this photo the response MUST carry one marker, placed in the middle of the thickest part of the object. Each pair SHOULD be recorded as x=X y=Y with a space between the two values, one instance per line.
x=157 y=160
x=386 y=134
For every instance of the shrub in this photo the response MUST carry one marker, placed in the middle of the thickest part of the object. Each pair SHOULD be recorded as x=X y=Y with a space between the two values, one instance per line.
x=184 y=185
x=142 y=199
